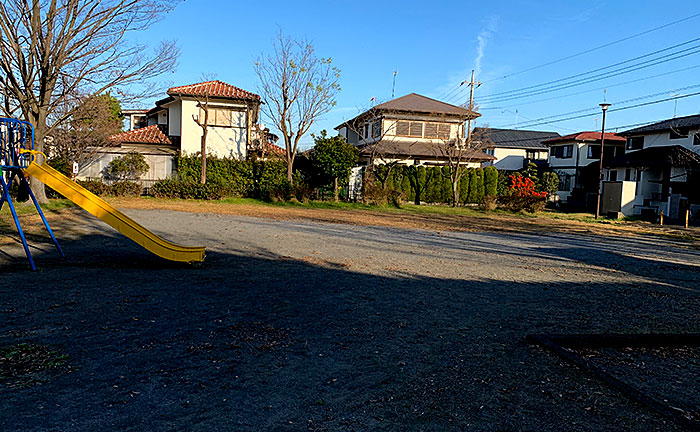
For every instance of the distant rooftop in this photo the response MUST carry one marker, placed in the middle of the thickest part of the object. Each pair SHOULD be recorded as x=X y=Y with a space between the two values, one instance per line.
x=664 y=125
x=146 y=135
x=586 y=136
x=514 y=138
x=216 y=88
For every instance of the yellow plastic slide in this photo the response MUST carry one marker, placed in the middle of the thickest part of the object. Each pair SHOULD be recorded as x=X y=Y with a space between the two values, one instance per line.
x=118 y=220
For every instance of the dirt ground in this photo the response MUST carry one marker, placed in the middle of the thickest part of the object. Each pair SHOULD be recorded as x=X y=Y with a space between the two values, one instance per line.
x=295 y=324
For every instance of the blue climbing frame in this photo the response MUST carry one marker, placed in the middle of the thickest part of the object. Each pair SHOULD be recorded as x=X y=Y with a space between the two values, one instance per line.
x=17 y=135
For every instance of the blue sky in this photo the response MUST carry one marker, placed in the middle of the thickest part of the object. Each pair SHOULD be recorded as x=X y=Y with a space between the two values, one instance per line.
x=435 y=45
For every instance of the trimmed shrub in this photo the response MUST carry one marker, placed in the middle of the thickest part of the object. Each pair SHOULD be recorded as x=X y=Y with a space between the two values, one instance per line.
x=95 y=186
x=131 y=166
x=490 y=180
x=549 y=183
x=124 y=188
x=187 y=190
x=479 y=185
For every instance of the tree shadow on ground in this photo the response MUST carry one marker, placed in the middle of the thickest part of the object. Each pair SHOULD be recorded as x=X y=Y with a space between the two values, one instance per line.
x=273 y=343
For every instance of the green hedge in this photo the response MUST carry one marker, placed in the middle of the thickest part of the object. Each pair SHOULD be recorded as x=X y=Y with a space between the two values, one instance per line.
x=433 y=184
x=186 y=189
x=231 y=177
x=122 y=188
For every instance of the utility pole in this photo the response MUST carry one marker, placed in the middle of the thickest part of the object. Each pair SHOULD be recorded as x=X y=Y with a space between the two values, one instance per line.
x=604 y=106
x=471 y=84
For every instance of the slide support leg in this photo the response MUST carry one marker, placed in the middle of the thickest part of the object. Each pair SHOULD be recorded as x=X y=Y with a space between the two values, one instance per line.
x=6 y=196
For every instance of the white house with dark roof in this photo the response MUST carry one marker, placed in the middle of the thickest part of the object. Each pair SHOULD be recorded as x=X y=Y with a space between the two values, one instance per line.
x=513 y=149
x=412 y=130
x=576 y=159
x=409 y=130
x=660 y=170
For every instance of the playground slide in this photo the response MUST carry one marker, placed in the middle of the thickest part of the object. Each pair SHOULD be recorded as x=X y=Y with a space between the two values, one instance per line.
x=118 y=220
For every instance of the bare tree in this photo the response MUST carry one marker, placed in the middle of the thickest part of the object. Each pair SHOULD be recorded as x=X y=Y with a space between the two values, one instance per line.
x=298 y=87
x=53 y=49
x=88 y=129
x=204 y=124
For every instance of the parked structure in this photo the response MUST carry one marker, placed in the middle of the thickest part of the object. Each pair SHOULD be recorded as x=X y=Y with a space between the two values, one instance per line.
x=576 y=159
x=410 y=130
x=660 y=170
x=514 y=149
x=171 y=128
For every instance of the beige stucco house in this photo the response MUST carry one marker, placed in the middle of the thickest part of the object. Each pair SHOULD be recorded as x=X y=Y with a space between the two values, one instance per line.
x=171 y=127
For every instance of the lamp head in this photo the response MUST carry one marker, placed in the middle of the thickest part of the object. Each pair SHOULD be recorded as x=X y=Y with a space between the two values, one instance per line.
x=605 y=106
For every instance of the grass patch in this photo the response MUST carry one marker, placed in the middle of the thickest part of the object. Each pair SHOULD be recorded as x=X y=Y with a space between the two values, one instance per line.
x=27 y=207
x=27 y=364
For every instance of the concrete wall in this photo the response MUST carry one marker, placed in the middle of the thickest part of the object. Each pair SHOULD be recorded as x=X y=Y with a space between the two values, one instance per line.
x=161 y=166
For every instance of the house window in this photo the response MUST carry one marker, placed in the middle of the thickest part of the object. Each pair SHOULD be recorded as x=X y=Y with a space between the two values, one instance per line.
x=635 y=143
x=217 y=117
x=594 y=151
x=443 y=131
x=402 y=128
x=377 y=128
x=628 y=174
x=678 y=134
x=563 y=152
x=612 y=175
x=530 y=154
x=696 y=139
x=416 y=130
x=431 y=130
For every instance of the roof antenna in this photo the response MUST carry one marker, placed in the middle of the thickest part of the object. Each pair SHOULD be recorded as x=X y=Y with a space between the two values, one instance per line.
x=393 y=86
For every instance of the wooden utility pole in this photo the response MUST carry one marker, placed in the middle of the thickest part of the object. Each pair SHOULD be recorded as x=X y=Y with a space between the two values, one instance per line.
x=471 y=84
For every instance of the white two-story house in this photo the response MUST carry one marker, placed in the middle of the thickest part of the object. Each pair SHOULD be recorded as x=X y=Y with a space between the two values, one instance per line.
x=514 y=149
x=173 y=126
x=576 y=159
x=660 y=170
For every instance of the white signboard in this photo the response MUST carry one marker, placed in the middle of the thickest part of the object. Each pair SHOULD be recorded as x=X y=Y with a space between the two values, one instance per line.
x=75 y=167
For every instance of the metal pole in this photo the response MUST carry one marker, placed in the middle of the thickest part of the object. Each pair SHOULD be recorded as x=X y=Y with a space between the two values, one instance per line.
x=471 y=107
x=604 y=106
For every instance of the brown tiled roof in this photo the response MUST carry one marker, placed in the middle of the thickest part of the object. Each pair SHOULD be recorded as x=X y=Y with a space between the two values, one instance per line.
x=216 y=88
x=273 y=148
x=419 y=149
x=147 y=135
x=586 y=136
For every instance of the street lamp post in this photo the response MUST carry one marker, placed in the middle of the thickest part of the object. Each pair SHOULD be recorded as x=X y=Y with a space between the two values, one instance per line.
x=604 y=107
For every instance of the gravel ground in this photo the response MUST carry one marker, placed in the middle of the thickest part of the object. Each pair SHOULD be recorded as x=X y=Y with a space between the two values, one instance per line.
x=293 y=326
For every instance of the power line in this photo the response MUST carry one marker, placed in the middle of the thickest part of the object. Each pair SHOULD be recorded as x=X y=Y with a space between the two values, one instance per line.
x=592 y=90
x=617 y=109
x=606 y=75
x=597 y=48
x=616 y=103
x=523 y=89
